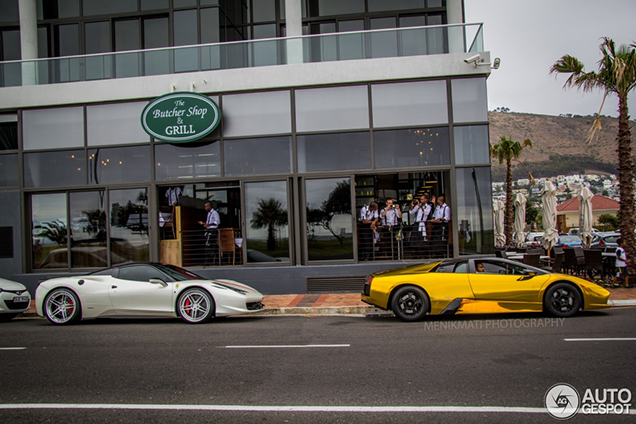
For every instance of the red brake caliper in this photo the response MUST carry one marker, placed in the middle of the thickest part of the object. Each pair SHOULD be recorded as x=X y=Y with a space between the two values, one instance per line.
x=187 y=303
x=70 y=307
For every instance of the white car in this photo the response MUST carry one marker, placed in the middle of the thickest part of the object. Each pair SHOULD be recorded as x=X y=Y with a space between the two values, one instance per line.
x=14 y=299
x=143 y=290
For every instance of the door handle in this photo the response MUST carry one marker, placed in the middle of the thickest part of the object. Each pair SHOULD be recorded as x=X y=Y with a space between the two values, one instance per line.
x=113 y=287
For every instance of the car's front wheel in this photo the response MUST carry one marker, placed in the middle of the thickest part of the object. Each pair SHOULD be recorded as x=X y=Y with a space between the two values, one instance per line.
x=196 y=306
x=62 y=306
x=562 y=300
x=410 y=303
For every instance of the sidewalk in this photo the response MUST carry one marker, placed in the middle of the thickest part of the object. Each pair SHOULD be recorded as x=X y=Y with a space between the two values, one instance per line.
x=350 y=303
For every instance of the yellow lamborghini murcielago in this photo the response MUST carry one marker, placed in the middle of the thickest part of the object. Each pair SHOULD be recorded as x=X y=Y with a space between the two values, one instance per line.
x=478 y=286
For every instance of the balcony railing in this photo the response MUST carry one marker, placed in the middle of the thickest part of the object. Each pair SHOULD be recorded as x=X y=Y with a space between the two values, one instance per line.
x=395 y=42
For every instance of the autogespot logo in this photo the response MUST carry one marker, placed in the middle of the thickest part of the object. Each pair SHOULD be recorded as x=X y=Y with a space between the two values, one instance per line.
x=562 y=401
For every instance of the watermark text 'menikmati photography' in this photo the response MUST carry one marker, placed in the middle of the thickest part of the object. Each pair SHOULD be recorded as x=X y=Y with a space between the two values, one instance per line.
x=494 y=324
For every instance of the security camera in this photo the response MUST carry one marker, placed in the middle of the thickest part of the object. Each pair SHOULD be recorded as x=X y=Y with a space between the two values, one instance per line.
x=473 y=59
x=496 y=63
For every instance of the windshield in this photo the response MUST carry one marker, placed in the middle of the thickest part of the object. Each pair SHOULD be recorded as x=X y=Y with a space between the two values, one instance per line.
x=177 y=273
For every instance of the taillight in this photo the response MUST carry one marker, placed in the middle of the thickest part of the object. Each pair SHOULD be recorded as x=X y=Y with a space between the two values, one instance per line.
x=602 y=243
x=367 y=286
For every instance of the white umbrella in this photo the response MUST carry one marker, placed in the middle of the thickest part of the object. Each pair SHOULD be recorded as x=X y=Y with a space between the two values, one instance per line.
x=498 y=209
x=548 y=201
x=585 y=217
x=520 y=219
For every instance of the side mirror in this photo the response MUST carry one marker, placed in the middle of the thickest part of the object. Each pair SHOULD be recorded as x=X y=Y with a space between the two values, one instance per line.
x=158 y=281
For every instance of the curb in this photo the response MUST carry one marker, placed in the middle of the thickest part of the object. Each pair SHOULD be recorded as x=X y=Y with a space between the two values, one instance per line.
x=627 y=302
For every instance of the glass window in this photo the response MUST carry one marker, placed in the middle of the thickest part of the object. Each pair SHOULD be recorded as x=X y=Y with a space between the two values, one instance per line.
x=413 y=41
x=54 y=169
x=319 y=8
x=110 y=7
x=264 y=10
x=351 y=46
x=97 y=40
x=329 y=220
x=471 y=145
x=43 y=51
x=410 y=103
x=256 y=114
x=435 y=3
x=67 y=43
x=329 y=152
x=11 y=73
x=88 y=229
x=324 y=48
x=185 y=34
x=383 y=44
x=9 y=10
x=474 y=210
x=267 y=229
x=469 y=100
x=58 y=9
x=154 y=4
x=127 y=38
x=210 y=33
x=436 y=38
x=337 y=108
x=8 y=170
x=8 y=135
x=184 y=3
x=49 y=233
x=101 y=119
x=186 y=161
x=391 y=5
x=128 y=225
x=264 y=53
x=119 y=165
x=409 y=148
x=156 y=36
x=141 y=273
x=461 y=268
x=53 y=128
x=258 y=156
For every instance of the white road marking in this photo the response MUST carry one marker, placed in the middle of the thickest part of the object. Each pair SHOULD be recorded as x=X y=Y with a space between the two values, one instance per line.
x=604 y=339
x=282 y=346
x=12 y=348
x=283 y=408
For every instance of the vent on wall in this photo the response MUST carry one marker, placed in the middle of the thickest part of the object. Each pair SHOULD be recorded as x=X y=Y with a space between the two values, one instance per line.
x=336 y=284
x=6 y=242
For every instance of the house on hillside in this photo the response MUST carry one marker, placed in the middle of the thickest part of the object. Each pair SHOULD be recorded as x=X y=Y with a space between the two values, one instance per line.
x=568 y=211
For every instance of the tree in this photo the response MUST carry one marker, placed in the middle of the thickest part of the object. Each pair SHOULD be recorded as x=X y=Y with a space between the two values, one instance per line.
x=53 y=230
x=270 y=214
x=616 y=74
x=609 y=221
x=506 y=151
x=338 y=202
x=531 y=213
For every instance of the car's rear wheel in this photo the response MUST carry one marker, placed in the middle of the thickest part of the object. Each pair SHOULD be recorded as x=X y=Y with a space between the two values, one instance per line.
x=410 y=303
x=62 y=306
x=196 y=306
x=562 y=300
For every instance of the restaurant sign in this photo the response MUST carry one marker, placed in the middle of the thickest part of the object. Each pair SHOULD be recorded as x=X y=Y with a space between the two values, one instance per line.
x=180 y=117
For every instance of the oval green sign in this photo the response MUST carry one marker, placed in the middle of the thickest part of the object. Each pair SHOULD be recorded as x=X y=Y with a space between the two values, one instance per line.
x=180 y=117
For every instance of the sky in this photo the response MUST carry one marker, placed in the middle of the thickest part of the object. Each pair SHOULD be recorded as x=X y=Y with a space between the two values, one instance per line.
x=529 y=36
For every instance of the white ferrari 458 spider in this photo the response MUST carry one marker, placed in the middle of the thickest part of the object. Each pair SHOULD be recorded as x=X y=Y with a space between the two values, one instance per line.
x=143 y=290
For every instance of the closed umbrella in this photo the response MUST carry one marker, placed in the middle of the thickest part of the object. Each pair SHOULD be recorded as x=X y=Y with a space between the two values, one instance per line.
x=548 y=201
x=585 y=216
x=498 y=209
x=520 y=219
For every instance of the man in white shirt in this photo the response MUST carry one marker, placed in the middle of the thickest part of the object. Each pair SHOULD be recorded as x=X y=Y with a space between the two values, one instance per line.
x=391 y=214
x=369 y=220
x=173 y=194
x=211 y=225
x=441 y=218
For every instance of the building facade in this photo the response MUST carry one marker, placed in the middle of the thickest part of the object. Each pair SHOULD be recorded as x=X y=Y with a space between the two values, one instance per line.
x=326 y=106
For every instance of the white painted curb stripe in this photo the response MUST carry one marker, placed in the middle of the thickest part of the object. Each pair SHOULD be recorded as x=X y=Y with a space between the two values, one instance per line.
x=265 y=408
x=604 y=339
x=282 y=346
x=12 y=348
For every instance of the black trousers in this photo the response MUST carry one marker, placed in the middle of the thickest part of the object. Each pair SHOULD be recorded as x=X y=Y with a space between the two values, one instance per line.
x=211 y=246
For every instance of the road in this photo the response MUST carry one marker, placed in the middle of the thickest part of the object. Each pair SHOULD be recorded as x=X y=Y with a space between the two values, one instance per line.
x=494 y=368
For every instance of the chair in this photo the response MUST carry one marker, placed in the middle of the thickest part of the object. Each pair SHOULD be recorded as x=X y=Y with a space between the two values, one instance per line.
x=571 y=262
x=593 y=262
x=557 y=263
x=532 y=259
x=226 y=244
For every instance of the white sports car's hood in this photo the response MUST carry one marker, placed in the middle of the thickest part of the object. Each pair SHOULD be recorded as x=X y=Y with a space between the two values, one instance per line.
x=11 y=285
x=251 y=294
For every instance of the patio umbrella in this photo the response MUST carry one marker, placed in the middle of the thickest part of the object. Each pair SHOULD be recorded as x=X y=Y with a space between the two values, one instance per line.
x=520 y=219
x=585 y=217
x=498 y=209
x=548 y=201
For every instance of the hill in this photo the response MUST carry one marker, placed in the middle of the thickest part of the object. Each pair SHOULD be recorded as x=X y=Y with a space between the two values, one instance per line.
x=560 y=144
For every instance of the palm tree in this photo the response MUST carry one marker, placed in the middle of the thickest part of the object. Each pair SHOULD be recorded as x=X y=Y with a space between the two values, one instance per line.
x=270 y=214
x=508 y=150
x=616 y=74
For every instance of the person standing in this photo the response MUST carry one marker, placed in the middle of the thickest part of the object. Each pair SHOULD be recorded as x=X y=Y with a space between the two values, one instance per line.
x=621 y=265
x=441 y=218
x=391 y=214
x=211 y=232
x=368 y=225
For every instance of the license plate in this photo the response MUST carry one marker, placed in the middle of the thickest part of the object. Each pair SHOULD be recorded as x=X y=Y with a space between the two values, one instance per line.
x=20 y=299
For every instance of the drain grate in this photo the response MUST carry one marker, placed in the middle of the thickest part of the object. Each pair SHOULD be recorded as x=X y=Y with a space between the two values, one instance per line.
x=336 y=284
